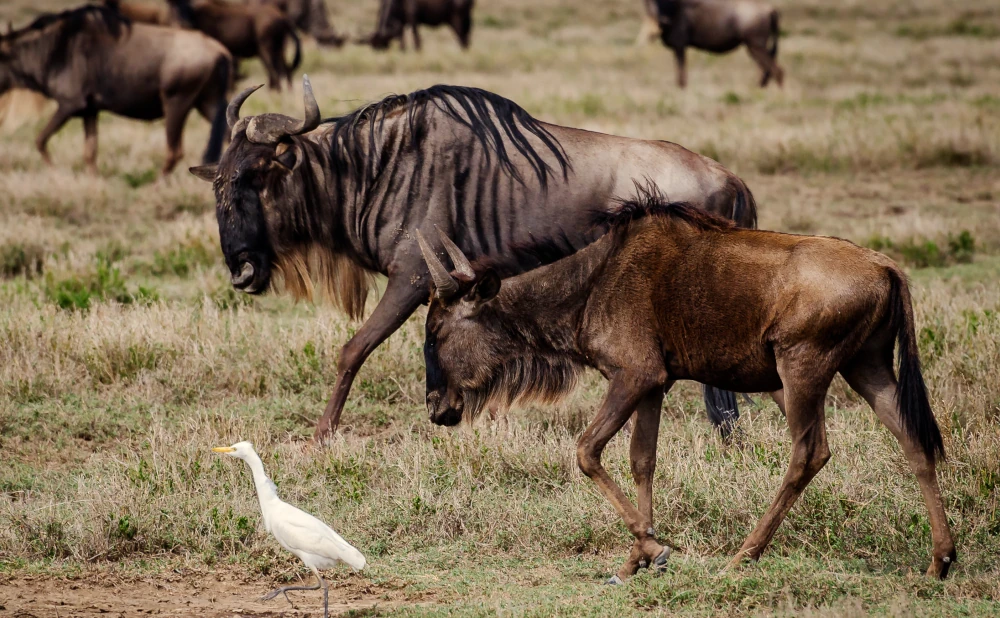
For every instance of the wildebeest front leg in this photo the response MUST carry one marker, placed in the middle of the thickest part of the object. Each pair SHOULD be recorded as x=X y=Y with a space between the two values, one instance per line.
x=623 y=396
x=63 y=113
x=682 y=76
x=400 y=300
x=90 y=142
x=642 y=453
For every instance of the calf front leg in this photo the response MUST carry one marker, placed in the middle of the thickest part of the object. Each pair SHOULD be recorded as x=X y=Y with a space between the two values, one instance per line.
x=624 y=394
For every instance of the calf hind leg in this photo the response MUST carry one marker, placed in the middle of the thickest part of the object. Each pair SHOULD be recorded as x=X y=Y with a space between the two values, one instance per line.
x=874 y=380
x=803 y=404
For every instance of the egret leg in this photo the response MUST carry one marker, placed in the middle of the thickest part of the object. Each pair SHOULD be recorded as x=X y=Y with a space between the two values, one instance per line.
x=285 y=589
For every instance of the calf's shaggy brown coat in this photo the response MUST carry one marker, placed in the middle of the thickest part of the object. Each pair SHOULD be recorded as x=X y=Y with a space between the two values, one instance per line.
x=681 y=294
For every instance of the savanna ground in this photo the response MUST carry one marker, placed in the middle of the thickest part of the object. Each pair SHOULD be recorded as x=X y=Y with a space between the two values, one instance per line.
x=125 y=355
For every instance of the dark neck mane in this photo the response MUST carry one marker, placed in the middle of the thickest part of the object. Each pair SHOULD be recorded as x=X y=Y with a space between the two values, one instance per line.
x=492 y=119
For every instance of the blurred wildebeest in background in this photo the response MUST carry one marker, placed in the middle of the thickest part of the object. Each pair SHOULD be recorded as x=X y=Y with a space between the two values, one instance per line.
x=341 y=204
x=720 y=26
x=160 y=14
x=309 y=16
x=91 y=59
x=395 y=15
x=680 y=294
x=649 y=31
x=246 y=31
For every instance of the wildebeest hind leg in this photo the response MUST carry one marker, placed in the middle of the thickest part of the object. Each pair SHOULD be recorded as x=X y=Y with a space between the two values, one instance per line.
x=805 y=395
x=175 y=111
x=63 y=113
x=400 y=300
x=766 y=63
x=875 y=382
x=624 y=395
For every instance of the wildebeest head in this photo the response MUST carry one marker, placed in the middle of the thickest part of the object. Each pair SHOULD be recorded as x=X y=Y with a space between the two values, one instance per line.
x=255 y=174
x=482 y=346
x=455 y=331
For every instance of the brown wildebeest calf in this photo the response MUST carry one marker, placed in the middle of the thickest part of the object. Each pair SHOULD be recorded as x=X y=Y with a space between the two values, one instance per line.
x=395 y=15
x=720 y=26
x=647 y=304
x=246 y=31
x=309 y=16
x=91 y=59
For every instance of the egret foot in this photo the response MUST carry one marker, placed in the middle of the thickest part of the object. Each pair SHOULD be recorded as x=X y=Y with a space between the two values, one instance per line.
x=285 y=589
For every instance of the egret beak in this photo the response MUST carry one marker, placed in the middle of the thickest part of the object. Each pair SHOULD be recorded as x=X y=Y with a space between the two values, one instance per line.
x=224 y=449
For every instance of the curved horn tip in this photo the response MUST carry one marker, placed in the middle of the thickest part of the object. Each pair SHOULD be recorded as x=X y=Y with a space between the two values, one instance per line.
x=443 y=281
x=233 y=110
x=461 y=262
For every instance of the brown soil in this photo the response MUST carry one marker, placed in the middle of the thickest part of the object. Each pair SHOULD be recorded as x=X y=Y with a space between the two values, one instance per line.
x=182 y=593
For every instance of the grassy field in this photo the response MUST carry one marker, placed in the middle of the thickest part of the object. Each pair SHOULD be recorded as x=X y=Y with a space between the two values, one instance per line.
x=125 y=355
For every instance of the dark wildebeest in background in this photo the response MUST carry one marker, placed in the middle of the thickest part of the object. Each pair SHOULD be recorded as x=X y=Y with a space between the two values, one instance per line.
x=680 y=294
x=246 y=32
x=341 y=204
x=92 y=59
x=721 y=26
x=159 y=14
x=309 y=16
x=395 y=15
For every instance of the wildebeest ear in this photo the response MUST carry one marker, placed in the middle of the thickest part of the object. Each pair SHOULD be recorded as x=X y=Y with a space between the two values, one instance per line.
x=486 y=288
x=205 y=172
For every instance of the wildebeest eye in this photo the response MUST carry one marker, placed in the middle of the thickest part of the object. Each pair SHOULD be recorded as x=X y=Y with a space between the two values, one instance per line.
x=285 y=156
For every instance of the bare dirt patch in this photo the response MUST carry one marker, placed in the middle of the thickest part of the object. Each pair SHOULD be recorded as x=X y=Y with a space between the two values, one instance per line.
x=182 y=593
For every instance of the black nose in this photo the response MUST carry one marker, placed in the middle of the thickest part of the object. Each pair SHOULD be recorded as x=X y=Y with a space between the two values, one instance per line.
x=441 y=413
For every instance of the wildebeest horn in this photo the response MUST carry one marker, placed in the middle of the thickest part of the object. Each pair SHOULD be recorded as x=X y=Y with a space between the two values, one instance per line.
x=270 y=128
x=445 y=284
x=233 y=111
x=462 y=265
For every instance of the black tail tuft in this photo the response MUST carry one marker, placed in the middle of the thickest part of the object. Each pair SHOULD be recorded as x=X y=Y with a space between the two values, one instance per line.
x=744 y=206
x=911 y=392
x=722 y=409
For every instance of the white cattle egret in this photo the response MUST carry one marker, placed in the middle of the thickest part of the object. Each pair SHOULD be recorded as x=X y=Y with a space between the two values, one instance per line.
x=314 y=542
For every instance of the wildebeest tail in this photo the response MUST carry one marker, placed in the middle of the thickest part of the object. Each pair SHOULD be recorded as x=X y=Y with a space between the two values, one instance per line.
x=911 y=393
x=721 y=408
x=297 y=58
x=744 y=205
x=772 y=50
x=221 y=80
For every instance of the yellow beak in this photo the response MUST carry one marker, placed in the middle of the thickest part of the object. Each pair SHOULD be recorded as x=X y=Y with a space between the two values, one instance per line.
x=224 y=449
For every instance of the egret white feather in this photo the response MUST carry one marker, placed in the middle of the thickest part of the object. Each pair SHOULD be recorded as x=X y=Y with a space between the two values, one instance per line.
x=315 y=543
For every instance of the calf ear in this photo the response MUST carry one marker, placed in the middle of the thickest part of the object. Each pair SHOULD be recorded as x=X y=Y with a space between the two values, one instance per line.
x=486 y=288
x=205 y=172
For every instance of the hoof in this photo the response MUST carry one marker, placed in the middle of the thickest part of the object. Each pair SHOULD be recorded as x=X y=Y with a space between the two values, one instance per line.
x=660 y=562
x=614 y=581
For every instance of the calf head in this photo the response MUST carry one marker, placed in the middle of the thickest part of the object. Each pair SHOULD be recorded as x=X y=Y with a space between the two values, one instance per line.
x=465 y=346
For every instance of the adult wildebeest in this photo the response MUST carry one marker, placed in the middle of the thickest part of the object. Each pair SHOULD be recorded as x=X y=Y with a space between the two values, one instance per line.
x=91 y=59
x=309 y=16
x=395 y=15
x=246 y=32
x=720 y=26
x=341 y=204
x=681 y=294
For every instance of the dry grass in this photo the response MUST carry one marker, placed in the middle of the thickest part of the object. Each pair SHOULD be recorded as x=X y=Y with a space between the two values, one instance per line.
x=124 y=354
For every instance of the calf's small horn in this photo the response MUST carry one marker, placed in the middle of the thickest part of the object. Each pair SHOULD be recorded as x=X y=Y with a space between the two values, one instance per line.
x=462 y=264
x=443 y=282
x=271 y=128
